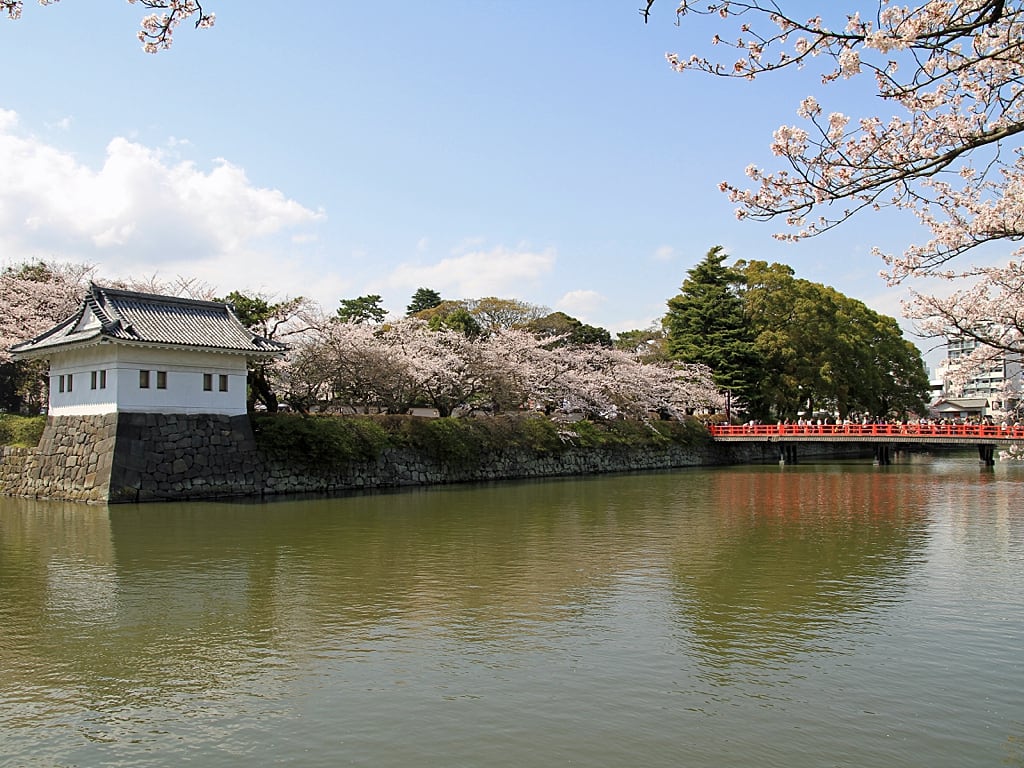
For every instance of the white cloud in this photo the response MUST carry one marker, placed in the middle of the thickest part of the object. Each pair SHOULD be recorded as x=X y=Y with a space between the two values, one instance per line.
x=143 y=214
x=581 y=304
x=475 y=273
x=664 y=253
x=64 y=124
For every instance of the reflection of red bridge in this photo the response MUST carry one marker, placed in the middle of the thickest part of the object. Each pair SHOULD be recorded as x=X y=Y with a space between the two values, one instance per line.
x=984 y=436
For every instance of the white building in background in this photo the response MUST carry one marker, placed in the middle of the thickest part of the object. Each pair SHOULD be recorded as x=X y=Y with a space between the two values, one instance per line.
x=125 y=352
x=998 y=381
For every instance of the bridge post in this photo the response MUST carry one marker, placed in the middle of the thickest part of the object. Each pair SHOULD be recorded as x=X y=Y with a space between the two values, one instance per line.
x=787 y=453
x=882 y=457
x=986 y=454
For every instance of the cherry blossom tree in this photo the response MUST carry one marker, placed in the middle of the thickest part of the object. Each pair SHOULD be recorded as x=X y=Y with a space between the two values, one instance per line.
x=443 y=365
x=34 y=296
x=347 y=364
x=607 y=383
x=156 y=31
x=953 y=75
x=400 y=364
x=953 y=71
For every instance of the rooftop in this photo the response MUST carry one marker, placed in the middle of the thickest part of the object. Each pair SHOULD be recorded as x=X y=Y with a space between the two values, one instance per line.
x=111 y=314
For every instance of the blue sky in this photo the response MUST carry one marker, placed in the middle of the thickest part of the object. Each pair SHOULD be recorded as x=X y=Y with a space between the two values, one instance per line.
x=536 y=150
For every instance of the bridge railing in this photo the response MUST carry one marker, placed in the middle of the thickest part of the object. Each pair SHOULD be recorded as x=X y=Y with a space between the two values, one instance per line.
x=870 y=430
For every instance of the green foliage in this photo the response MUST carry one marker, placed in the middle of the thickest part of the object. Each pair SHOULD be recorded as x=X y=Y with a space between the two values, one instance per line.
x=362 y=309
x=461 y=441
x=649 y=343
x=324 y=441
x=319 y=441
x=252 y=311
x=459 y=319
x=783 y=345
x=535 y=434
x=447 y=439
x=22 y=431
x=706 y=324
x=423 y=299
x=628 y=433
x=823 y=350
x=575 y=332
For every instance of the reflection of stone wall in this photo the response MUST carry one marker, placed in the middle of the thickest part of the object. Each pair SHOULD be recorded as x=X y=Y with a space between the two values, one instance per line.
x=131 y=457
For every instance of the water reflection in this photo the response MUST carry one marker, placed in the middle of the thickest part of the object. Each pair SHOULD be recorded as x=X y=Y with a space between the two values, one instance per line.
x=588 y=617
x=761 y=564
x=781 y=560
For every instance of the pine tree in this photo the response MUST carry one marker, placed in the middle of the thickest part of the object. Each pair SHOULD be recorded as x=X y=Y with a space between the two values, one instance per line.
x=424 y=298
x=706 y=324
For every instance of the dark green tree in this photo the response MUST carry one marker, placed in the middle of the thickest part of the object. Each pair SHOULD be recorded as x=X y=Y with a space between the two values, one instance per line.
x=575 y=332
x=646 y=342
x=457 y=319
x=424 y=298
x=706 y=324
x=362 y=309
x=266 y=318
x=821 y=350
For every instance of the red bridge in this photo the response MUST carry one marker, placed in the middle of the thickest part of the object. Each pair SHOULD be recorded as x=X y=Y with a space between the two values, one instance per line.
x=984 y=436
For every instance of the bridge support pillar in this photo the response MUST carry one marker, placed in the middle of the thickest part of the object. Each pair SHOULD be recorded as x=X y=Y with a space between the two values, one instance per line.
x=787 y=453
x=882 y=455
x=987 y=455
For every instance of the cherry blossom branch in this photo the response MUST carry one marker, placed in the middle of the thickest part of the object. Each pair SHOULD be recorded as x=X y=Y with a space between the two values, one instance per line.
x=157 y=32
x=158 y=29
x=956 y=73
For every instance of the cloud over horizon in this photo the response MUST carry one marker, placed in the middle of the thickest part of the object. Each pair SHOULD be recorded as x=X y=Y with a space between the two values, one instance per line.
x=475 y=272
x=141 y=211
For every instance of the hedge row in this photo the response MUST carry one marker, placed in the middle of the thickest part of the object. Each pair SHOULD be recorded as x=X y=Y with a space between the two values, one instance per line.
x=326 y=440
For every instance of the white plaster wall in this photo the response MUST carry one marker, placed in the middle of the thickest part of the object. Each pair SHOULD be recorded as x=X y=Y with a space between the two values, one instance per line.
x=184 y=392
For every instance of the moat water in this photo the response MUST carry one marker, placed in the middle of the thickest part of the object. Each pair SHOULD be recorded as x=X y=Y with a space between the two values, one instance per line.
x=809 y=615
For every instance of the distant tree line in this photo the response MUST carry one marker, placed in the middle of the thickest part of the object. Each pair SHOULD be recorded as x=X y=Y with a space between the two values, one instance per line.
x=750 y=337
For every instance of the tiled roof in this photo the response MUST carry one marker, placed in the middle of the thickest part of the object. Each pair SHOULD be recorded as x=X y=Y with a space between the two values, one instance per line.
x=145 y=318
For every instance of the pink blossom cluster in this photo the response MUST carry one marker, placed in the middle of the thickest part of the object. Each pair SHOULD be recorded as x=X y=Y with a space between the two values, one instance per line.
x=37 y=296
x=396 y=365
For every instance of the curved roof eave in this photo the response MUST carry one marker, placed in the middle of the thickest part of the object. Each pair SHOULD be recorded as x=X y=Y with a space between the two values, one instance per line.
x=45 y=351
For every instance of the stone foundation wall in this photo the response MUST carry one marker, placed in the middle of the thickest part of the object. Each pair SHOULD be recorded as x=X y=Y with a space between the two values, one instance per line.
x=138 y=457
x=397 y=468
x=72 y=461
x=170 y=456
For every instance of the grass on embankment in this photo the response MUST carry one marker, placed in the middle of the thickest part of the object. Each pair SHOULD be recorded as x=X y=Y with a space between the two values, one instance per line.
x=327 y=440
x=21 y=431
